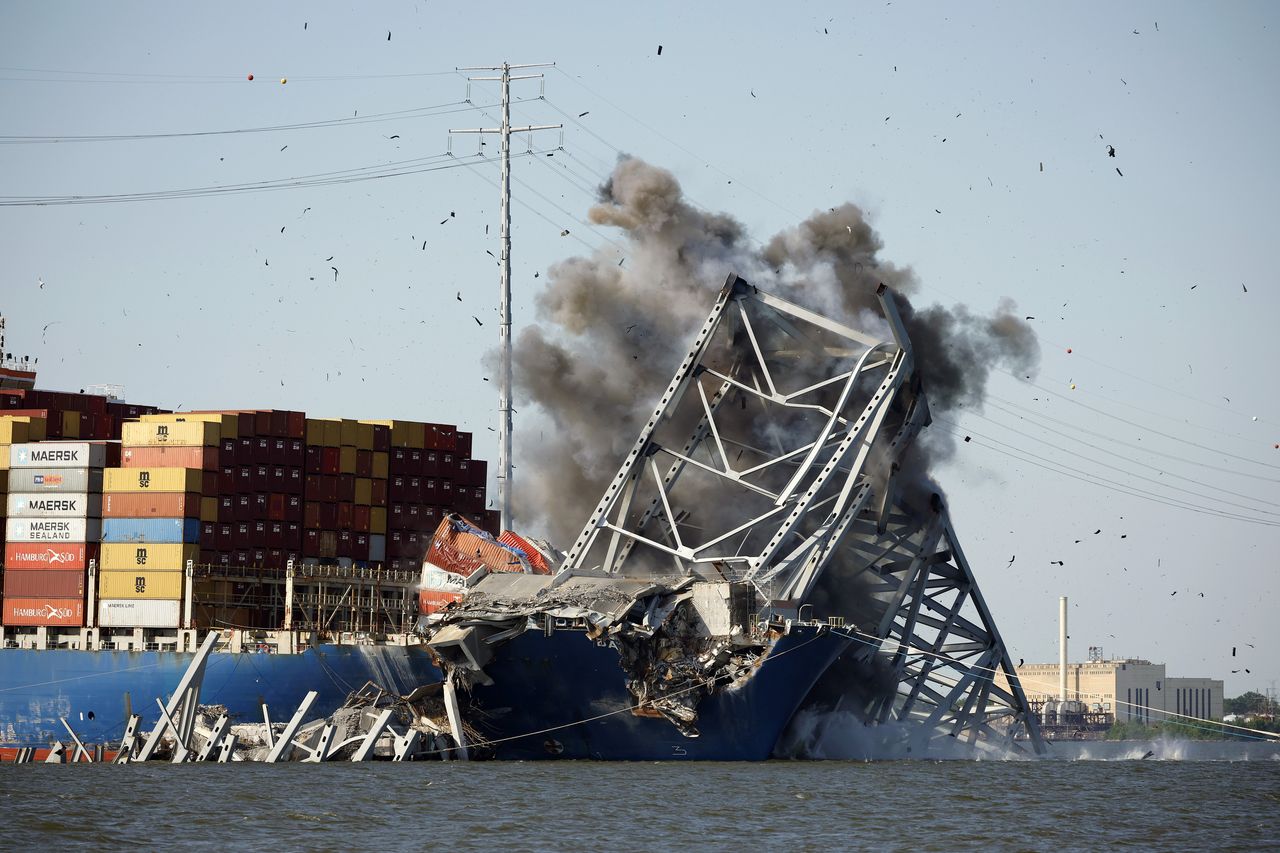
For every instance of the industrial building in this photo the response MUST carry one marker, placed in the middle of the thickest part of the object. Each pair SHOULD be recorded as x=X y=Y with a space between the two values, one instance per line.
x=1083 y=700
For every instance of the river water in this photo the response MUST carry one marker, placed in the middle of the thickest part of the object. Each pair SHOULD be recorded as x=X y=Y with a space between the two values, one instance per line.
x=1183 y=797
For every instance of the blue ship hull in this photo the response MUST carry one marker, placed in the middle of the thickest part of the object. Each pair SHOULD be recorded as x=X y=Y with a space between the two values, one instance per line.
x=564 y=696
x=88 y=687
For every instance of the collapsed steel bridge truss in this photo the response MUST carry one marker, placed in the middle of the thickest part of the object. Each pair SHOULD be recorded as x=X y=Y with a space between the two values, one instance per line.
x=779 y=455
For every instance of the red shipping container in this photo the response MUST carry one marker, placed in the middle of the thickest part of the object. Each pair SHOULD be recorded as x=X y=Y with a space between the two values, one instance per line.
x=328 y=516
x=381 y=438
x=398 y=461
x=57 y=583
x=63 y=612
x=293 y=508
x=244 y=479
x=151 y=505
x=396 y=487
x=312 y=459
x=242 y=535
x=431 y=464
x=261 y=480
x=311 y=487
x=360 y=546
x=292 y=536
x=464 y=444
x=397 y=517
x=311 y=543
x=275 y=534
x=170 y=457
x=328 y=491
x=346 y=487
x=246 y=447
x=275 y=507
x=22 y=556
x=364 y=463
x=378 y=493
x=258 y=534
x=345 y=543
x=226 y=538
x=227 y=480
x=227 y=451
x=344 y=515
x=279 y=479
x=330 y=460
x=311 y=515
x=245 y=506
x=360 y=519
x=208 y=534
x=227 y=508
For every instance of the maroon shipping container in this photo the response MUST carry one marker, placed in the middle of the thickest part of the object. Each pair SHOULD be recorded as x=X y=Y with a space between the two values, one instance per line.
x=244 y=479
x=381 y=438
x=346 y=542
x=228 y=479
x=45 y=583
x=311 y=515
x=463 y=447
x=330 y=460
x=275 y=534
x=246 y=448
x=346 y=487
x=403 y=461
x=208 y=534
x=293 y=508
x=311 y=459
x=328 y=490
x=292 y=536
x=228 y=450
x=258 y=535
x=227 y=508
x=471 y=472
x=378 y=493
x=441 y=436
x=431 y=464
x=242 y=535
x=328 y=516
x=344 y=515
x=360 y=546
x=364 y=463
x=397 y=517
x=360 y=519
x=226 y=537
x=275 y=507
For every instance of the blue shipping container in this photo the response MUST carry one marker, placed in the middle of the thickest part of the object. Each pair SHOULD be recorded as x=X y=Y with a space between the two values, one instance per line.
x=152 y=530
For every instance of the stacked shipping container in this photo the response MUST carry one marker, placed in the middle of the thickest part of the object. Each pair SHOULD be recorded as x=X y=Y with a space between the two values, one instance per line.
x=345 y=514
x=54 y=522
x=152 y=507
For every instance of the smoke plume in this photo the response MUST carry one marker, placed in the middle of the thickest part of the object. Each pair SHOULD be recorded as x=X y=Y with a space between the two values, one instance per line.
x=609 y=336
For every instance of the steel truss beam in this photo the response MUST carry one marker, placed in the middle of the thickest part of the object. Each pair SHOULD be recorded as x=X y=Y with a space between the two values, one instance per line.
x=772 y=458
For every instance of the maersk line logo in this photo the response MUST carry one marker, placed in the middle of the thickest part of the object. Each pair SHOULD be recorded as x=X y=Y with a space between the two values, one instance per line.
x=53 y=505
x=47 y=454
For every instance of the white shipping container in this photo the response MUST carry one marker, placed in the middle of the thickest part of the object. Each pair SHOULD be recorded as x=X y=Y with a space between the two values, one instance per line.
x=54 y=505
x=55 y=480
x=58 y=454
x=140 y=613
x=53 y=529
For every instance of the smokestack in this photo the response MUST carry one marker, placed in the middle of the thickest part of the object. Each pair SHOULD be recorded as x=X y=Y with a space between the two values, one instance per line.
x=1062 y=649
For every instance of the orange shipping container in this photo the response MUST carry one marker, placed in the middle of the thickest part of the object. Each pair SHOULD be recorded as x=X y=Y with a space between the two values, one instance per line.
x=24 y=556
x=170 y=457
x=58 y=583
x=159 y=505
x=64 y=612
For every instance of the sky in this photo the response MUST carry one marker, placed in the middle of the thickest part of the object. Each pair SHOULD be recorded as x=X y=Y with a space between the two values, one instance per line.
x=362 y=280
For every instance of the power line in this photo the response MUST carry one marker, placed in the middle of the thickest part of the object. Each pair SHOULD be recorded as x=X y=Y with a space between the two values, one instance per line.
x=364 y=173
x=1035 y=415
x=416 y=112
x=1095 y=480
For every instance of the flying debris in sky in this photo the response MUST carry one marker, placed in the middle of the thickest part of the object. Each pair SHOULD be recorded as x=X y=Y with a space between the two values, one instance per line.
x=1111 y=151
x=477 y=319
x=335 y=273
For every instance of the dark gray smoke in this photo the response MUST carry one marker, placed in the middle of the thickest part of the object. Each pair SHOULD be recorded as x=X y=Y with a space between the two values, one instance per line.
x=608 y=337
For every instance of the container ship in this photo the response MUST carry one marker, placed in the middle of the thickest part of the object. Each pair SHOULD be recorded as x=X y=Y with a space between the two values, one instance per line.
x=127 y=532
